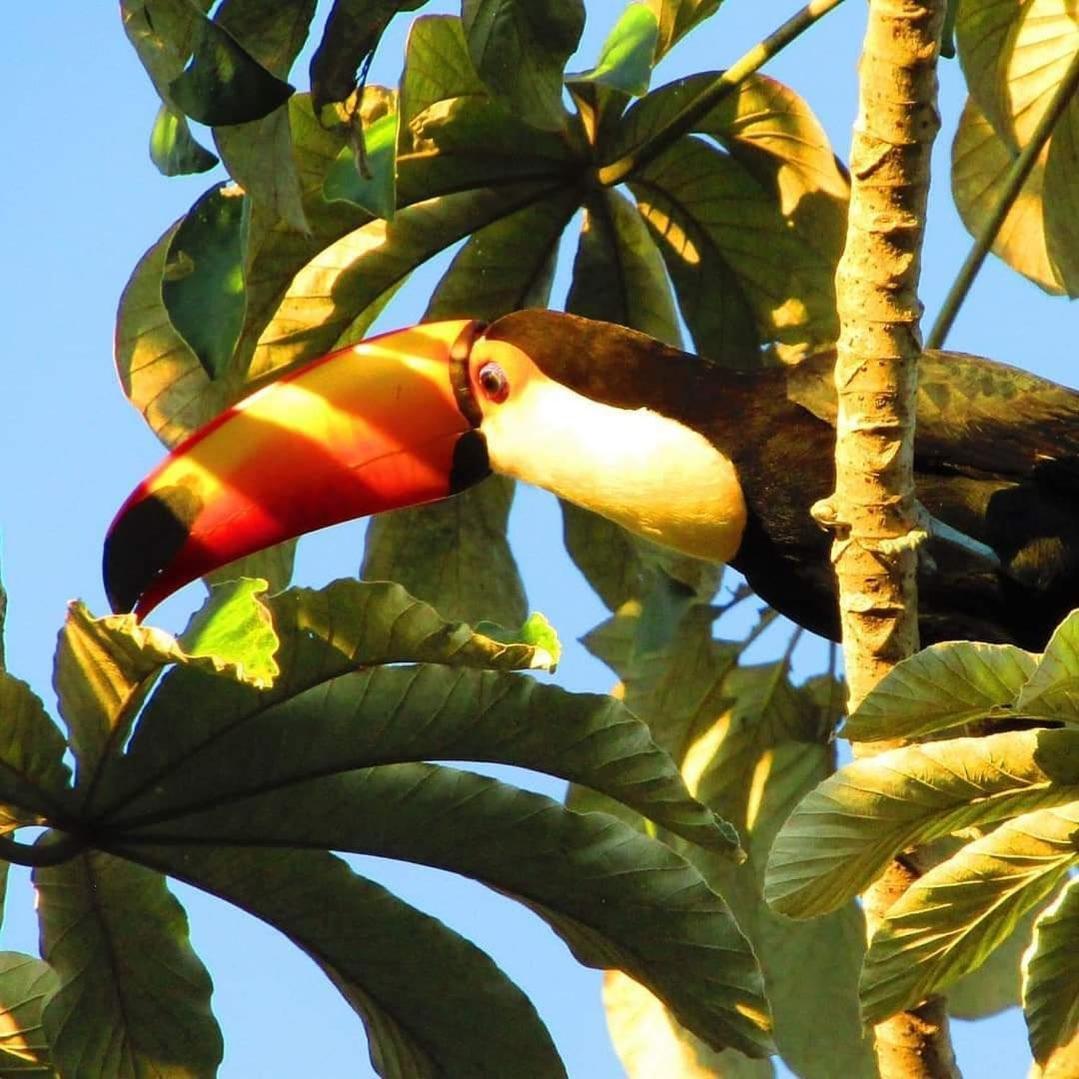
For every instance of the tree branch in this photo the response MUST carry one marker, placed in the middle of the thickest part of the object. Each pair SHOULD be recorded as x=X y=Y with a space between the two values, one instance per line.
x=873 y=511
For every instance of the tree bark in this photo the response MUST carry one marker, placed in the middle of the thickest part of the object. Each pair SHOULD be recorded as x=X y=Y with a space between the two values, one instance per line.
x=873 y=509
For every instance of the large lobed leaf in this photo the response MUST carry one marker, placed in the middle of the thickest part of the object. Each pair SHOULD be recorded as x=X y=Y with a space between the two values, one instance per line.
x=25 y=984
x=1051 y=978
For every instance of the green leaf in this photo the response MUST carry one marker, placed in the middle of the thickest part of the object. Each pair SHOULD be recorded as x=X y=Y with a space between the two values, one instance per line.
x=235 y=626
x=133 y=998
x=1053 y=689
x=323 y=634
x=951 y=918
x=271 y=32
x=616 y=897
x=943 y=686
x=1050 y=977
x=625 y=61
x=618 y=273
x=173 y=149
x=224 y=84
x=33 y=775
x=408 y=977
x=844 y=832
x=452 y=554
x=995 y=985
x=25 y=983
x=1061 y=202
x=535 y=631
x=273 y=565
x=351 y=35
x=163 y=34
x=520 y=48
x=981 y=161
x=454 y=135
x=349 y=276
x=374 y=190
x=677 y=17
x=202 y=286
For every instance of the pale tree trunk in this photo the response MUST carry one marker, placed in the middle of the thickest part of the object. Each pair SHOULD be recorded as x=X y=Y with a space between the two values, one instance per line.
x=873 y=508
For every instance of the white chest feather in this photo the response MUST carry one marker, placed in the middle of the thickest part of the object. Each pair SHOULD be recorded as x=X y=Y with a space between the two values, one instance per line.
x=648 y=473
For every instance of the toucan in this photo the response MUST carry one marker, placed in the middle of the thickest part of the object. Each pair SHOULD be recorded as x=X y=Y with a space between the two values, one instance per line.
x=700 y=458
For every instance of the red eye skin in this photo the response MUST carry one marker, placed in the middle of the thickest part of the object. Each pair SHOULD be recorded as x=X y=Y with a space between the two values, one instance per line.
x=493 y=382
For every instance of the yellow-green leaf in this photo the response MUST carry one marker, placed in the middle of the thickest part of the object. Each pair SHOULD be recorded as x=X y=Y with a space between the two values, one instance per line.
x=1051 y=977
x=952 y=917
x=1053 y=689
x=25 y=984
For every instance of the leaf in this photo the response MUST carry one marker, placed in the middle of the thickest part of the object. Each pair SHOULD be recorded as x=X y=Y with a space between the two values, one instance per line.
x=677 y=17
x=408 y=977
x=25 y=983
x=535 y=631
x=846 y=830
x=616 y=897
x=351 y=35
x=650 y=1043
x=625 y=61
x=163 y=34
x=33 y=775
x=520 y=48
x=948 y=920
x=453 y=554
x=349 y=276
x=1050 y=978
x=273 y=564
x=173 y=149
x=224 y=84
x=104 y=668
x=1061 y=202
x=942 y=686
x=995 y=985
x=235 y=627
x=134 y=999
x=323 y=634
x=1053 y=689
x=272 y=33
x=374 y=190
x=202 y=285
x=980 y=163
x=618 y=273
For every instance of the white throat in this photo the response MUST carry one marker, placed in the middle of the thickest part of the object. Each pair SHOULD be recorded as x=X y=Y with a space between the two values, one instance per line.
x=650 y=474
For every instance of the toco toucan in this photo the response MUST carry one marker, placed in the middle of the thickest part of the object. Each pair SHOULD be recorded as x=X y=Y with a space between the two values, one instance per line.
x=697 y=457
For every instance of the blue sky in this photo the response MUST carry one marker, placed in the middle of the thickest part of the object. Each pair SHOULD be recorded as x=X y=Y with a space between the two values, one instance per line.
x=81 y=203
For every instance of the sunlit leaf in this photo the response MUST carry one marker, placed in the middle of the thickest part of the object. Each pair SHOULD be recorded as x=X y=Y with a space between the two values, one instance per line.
x=133 y=999
x=235 y=626
x=980 y=163
x=650 y=1042
x=844 y=832
x=163 y=33
x=995 y=985
x=1053 y=689
x=618 y=898
x=203 y=282
x=536 y=631
x=32 y=772
x=948 y=920
x=618 y=273
x=173 y=149
x=224 y=84
x=1062 y=201
x=943 y=686
x=520 y=48
x=408 y=977
x=271 y=32
x=1050 y=975
x=25 y=983
x=677 y=17
x=625 y=61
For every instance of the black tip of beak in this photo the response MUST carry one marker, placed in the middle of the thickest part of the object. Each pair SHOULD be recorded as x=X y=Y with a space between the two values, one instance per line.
x=141 y=543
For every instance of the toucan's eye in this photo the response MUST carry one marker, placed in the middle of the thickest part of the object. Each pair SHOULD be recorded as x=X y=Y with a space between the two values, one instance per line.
x=495 y=384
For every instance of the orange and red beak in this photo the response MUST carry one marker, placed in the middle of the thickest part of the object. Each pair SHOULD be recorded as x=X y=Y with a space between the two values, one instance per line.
x=387 y=423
